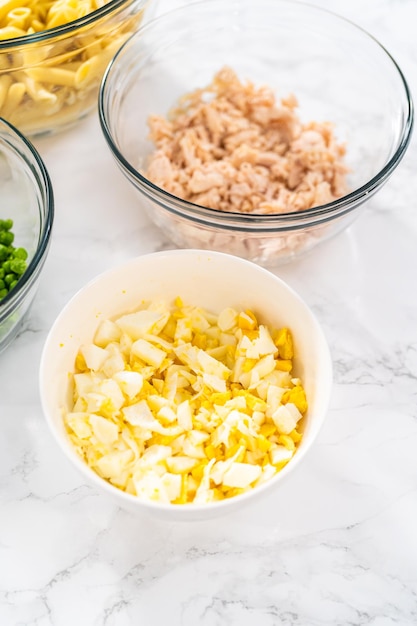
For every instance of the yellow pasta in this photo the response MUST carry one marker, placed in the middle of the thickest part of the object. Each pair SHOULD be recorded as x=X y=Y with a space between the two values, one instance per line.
x=44 y=14
x=36 y=91
x=88 y=71
x=93 y=44
x=50 y=83
x=5 y=82
x=35 y=27
x=11 y=32
x=54 y=75
x=14 y=97
x=19 y=17
x=8 y=5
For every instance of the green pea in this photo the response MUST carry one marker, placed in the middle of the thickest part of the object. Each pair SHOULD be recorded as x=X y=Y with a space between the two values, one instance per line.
x=4 y=252
x=12 y=260
x=9 y=278
x=6 y=224
x=6 y=237
x=17 y=266
x=20 y=253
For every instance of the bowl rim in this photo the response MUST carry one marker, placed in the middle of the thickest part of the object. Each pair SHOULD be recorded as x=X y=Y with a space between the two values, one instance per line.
x=68 y=28
x=16 y=140
x=320 y=213
x=187 y=510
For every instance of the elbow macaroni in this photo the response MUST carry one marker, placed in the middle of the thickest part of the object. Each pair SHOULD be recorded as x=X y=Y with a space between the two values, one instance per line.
x=51 y=83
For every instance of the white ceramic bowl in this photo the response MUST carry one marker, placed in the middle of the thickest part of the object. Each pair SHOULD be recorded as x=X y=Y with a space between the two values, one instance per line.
x=213 y=280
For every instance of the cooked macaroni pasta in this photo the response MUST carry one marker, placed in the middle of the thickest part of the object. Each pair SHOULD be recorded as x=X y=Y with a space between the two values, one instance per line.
x=32 y=16
x=50 y=83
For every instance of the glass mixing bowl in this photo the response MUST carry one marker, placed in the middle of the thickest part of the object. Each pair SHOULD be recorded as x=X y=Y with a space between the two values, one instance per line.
x=50 y=79
x=336 y=70
x=26 y=198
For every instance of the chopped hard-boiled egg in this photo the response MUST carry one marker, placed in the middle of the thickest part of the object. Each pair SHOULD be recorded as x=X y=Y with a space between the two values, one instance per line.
x=177 y=405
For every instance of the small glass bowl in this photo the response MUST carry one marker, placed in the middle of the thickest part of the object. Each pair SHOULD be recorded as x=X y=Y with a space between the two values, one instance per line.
x=337 y=71
x=26 y=198
x=50 y=79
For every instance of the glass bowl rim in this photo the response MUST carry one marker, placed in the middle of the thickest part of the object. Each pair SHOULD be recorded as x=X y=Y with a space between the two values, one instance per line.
x=66 y=29
x=337 y=207
x=14 y=297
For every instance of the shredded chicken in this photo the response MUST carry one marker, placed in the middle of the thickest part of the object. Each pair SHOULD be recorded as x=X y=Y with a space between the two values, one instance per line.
x=231 y=146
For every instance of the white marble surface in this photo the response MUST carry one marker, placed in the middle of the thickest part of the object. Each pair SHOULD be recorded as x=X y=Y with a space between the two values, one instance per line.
x=337 y=544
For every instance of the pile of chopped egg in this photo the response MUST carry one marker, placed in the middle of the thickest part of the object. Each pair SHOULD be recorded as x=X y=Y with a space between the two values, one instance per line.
x=174 y=404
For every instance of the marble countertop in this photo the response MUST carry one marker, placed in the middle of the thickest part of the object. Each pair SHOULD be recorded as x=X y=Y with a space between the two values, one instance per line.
x=336 y=544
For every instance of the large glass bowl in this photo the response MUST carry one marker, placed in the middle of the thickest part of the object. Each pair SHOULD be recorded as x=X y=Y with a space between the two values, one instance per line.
x=50 y=79
x=337 y=71
x=27 y=198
